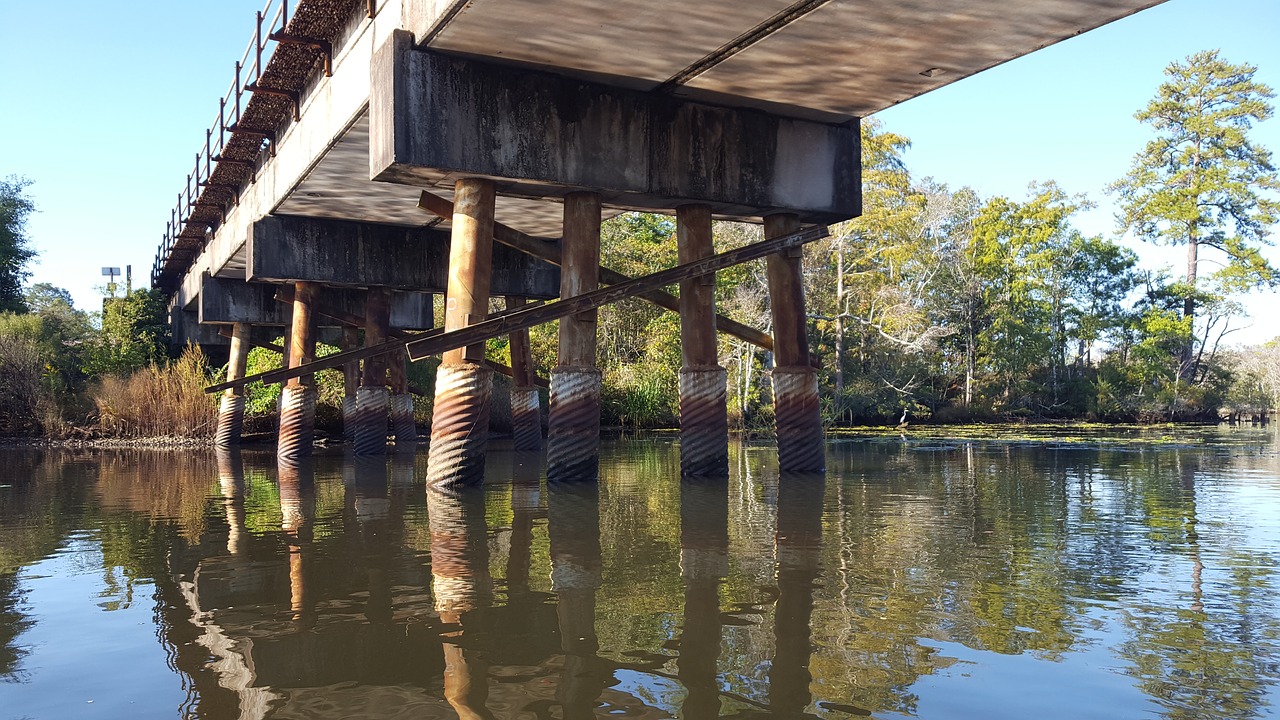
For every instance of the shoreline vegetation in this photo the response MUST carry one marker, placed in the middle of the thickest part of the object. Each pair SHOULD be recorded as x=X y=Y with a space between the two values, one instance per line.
x=936 y=305
x=940 y=436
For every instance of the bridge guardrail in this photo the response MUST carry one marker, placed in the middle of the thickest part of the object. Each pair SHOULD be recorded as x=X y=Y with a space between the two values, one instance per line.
x=271 y=25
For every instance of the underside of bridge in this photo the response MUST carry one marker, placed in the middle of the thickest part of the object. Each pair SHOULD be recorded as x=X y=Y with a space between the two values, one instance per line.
x=370 y=154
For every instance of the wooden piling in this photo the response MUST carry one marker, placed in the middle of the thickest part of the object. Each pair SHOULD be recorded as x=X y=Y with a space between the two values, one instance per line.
x=231 y=408
x=401 y=408
x=795 y=380
x=573 y=442
x=526 y=409
x=464 y=384
x=373 y=399
x=298 y=398
x=350 y=384
x=704 y=423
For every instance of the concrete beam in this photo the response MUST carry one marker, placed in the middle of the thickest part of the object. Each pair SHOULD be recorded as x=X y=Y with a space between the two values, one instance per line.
x=224 y=301
x=542 y=135
x=339 y=253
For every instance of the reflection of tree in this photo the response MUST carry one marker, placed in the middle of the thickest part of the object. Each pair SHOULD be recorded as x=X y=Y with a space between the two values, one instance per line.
x=12 y=624
x=1198 y=655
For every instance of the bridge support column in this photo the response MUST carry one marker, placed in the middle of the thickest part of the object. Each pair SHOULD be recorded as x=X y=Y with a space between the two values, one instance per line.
x=372 y=399
x=704 y=421
x=573 y=442
x=526 y=409
x=350 y=385
x=402 y=424
x=795 y=380
x=298 y=400
x=231 y=409
x=464 y=385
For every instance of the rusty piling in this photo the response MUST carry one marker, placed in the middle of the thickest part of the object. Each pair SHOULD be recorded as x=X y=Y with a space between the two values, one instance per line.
x=464 y=385
x=796 y=409
x=573 y=442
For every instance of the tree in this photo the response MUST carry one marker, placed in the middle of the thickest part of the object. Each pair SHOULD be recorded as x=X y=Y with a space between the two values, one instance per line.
x=1202 y=182
x=135 y=333
x=15 y=249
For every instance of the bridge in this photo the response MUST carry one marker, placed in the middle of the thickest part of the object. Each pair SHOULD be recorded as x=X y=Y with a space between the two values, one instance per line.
x=367 y=156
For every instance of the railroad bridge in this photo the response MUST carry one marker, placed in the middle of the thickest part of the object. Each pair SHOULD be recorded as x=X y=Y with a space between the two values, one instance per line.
x=368 y=154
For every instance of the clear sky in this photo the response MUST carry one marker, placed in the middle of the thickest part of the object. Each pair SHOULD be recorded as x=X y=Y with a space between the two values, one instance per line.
x=103 y=106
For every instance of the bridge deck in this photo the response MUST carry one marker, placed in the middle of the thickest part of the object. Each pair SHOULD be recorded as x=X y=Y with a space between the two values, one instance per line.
x=825 y=60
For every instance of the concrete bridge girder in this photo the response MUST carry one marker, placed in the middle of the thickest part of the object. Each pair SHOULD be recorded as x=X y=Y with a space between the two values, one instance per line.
x=226 y=302
x=285 y=249
x=541 y=135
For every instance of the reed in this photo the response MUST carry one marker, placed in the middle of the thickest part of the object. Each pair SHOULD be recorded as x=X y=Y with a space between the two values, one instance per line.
x=159 y=400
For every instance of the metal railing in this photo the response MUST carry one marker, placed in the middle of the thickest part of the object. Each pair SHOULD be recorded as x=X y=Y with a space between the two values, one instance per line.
x=272 y=21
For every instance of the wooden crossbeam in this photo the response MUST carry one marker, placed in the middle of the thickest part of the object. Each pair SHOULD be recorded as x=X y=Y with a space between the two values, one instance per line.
x=434 y=341
x=550 y=251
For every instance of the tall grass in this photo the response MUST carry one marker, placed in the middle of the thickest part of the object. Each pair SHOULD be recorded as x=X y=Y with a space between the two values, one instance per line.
x=159 y=401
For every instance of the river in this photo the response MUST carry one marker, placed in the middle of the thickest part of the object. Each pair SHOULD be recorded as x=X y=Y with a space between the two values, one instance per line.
x=1105 y=575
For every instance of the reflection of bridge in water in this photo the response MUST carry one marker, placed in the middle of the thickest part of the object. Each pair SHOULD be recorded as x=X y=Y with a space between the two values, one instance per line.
x=373 y=628
x=368 y=155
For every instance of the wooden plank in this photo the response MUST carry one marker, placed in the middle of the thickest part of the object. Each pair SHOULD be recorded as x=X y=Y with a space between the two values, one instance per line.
x=550 y=250
x=435 y=341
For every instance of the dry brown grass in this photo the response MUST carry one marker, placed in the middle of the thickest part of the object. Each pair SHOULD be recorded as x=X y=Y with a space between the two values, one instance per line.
x=159 y=401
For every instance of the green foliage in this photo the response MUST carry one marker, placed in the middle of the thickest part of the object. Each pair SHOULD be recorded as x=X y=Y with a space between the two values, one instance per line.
x=1202 y=180
x=15 y=246
x=1203 y=183
x=134 y=334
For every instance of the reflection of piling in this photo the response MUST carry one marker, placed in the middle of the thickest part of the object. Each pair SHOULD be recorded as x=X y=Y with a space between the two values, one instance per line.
x=366 y=487
x=459 y=550
x=704 y=564
x=461 y=584
x=797 y=550
x=231 y=481
x=573 y=524
x=526 y=500
x=795 y=381
x=297 y=510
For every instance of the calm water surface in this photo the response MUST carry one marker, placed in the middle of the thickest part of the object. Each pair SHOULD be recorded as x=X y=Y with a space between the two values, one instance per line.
x=928 y=578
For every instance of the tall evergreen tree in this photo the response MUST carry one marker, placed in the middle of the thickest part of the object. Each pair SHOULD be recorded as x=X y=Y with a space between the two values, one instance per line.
x=1202 y=182
x=15 y=249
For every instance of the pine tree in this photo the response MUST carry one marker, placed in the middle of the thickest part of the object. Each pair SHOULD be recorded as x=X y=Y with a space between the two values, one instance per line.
x=1202 y=182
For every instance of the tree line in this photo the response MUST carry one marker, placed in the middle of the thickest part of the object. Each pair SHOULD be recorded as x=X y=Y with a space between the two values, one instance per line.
x=937 y=303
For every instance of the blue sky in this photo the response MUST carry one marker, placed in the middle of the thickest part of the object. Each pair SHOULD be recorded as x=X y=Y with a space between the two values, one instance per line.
x=105 y=104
